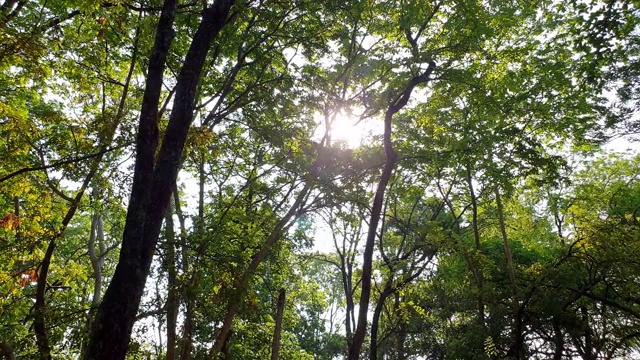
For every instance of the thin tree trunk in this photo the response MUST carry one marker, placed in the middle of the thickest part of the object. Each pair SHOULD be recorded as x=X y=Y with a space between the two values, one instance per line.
x=190 y=295
x=275 y=346
x=243 y=282
x=517 y=349
x=97 y=261
x=505 y=240
x=39 y=326
x=373 y=347
x=348 y=292
x=172 y=285
x=152 y=183
x=477 y=272
x=397 y=105
x=97 y=234
x=401 y=335
x=185 y=341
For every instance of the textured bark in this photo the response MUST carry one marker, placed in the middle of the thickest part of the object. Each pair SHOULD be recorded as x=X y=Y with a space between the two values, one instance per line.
x=275 y=346
x=152 y=183
x=365 y=294
x=97 y=262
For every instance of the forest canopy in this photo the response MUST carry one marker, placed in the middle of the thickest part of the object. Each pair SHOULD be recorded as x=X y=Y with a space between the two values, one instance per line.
x=357 y=179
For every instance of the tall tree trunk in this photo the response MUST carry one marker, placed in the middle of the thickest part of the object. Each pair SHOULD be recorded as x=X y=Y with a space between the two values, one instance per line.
x=172 y=284
x=39 y=326
x=477 y=272
x=116 y=315
x=397 y=105
x=97 y=261
x=401 y=335
x=505 y=240
x=517 y=348
x=275 y=346
x=226 y=346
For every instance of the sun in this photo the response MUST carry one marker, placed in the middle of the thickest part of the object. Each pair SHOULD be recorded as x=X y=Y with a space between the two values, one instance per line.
x=348 y=130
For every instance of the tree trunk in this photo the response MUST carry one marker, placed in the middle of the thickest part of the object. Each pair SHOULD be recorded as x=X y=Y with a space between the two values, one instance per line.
x=243 y=282
x=190 y=293
x=397 y=105
x=373 y=348
x=225 y=347
x=39 y=326
x=477 y=272
x=517 y=349
x=97 y=261
x=97 y=234
x=172 y=285
x=401 y=335
x=116 y=315
x=558 y=339
x=275 y=346
x=505 y=240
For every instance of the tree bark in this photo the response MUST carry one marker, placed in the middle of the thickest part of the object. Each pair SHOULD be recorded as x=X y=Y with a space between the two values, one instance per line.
x=397 y=105
x=275 y=346
x=116 y=315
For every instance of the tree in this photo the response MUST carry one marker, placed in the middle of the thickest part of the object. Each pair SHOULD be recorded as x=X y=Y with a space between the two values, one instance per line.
x=495 y=227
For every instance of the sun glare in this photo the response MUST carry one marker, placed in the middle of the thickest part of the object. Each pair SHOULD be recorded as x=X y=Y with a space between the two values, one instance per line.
x=346 y=130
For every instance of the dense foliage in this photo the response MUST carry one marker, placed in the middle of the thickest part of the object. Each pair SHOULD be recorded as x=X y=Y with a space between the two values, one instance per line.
x=360 y=179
